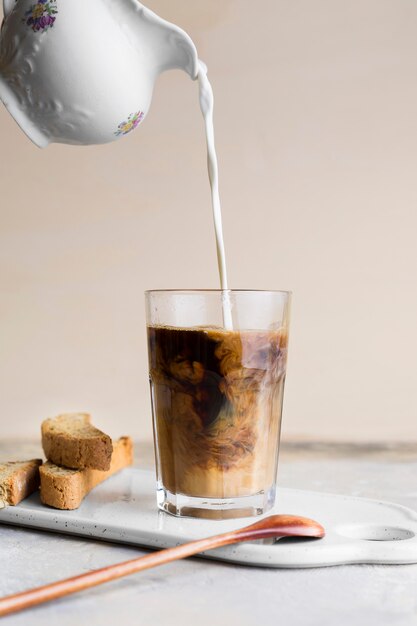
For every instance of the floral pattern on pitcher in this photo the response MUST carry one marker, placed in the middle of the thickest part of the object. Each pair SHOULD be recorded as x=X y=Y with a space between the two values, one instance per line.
x=41 y=15
x=130 y=124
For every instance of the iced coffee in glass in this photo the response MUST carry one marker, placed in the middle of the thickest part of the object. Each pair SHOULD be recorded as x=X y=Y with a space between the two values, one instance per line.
x=217 y=397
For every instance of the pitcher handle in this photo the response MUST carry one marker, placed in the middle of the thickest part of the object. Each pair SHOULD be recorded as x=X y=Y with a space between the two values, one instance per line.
x=8 y=6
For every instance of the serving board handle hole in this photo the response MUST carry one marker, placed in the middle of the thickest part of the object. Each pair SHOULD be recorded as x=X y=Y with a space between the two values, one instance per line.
x=376 y=533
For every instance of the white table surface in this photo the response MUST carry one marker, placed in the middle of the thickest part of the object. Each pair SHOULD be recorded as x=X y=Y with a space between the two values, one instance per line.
x=197 y=592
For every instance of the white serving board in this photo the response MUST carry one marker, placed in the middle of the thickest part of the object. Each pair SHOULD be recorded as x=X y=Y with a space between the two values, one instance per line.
x=123 y=509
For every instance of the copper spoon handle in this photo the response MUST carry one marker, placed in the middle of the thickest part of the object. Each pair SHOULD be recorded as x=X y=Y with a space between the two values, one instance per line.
x=273 y=526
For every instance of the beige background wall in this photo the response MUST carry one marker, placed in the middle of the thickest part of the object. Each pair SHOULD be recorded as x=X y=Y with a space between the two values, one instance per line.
x=316 y=125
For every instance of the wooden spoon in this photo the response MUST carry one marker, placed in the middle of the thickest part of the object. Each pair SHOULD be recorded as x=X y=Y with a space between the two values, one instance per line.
x=272 y=526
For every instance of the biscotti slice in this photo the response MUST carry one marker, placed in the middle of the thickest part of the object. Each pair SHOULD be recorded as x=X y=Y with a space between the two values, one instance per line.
x=18 y=479
x=71 y=440
x=65 y=488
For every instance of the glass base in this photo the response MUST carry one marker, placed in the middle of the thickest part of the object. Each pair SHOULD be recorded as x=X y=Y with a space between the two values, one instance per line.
x=215 y=508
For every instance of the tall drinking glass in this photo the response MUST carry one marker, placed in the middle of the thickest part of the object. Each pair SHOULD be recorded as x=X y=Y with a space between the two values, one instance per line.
x=217 y=397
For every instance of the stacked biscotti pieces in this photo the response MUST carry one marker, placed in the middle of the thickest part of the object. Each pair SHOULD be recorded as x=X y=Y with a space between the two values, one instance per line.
x=79 y=457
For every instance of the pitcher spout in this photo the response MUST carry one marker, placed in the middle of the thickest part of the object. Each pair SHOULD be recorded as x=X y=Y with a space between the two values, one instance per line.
x=168 y=46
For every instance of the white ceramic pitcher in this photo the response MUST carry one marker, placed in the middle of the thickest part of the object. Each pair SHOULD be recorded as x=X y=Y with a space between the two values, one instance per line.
x=83 y=71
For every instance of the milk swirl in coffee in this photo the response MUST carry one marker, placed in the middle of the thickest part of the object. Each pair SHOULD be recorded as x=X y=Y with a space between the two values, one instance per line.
x=217 y=398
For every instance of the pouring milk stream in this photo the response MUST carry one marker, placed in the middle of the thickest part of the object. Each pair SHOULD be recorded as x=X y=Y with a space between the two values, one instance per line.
x=207 y=106
x=107 y=90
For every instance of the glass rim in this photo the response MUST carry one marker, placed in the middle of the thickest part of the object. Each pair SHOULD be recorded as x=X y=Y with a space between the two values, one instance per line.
x=217 y=291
